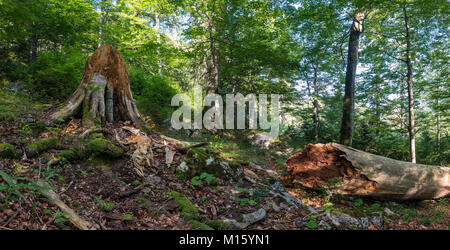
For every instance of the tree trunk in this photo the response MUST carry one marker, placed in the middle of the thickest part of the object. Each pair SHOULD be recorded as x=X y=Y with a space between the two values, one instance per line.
x=158 y=40
x=316 y=107
x=349 y=96
x=349 y=171
x=438 y=119
x=409 y=76
x=212 y=83
x=402 y=108
x=104 y=92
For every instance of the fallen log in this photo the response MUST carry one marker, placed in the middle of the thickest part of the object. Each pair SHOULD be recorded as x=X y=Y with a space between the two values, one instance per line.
x=184 y=150
x=67 y=211
x=349 y=171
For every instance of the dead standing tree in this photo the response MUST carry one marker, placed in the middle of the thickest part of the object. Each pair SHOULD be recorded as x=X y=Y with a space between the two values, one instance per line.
x=104 y=92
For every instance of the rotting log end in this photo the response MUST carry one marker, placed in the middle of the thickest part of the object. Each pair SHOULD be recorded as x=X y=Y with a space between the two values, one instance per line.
x=352 y=172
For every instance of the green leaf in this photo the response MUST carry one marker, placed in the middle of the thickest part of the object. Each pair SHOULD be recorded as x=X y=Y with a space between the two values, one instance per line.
x=196 y=181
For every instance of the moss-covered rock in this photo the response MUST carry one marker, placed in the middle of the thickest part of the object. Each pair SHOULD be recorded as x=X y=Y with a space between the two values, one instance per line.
x=220 y=225
x=188 y=209
x=76 y=153
x=100 y=146
x=197 y=225
x=96 y=136
x=7 y=151
x=198 y=161
x=68 y=154
x=42 y=145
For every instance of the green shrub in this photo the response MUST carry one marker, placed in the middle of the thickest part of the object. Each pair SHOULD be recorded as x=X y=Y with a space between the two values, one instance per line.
x=57 y=73
x=156 y=96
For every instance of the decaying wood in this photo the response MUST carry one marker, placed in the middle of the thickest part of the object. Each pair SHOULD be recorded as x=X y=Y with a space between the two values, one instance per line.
x=248 y=219
x=68 y=213
x=184 y=150
x=174 y=141
x=104 y=92
x=353 y=172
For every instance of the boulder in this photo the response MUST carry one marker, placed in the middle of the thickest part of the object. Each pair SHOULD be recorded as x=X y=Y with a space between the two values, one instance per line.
x=198 y=161
x=261 y=139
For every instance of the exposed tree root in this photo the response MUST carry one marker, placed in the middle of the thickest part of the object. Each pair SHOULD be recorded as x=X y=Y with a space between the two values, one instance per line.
x=67 y=211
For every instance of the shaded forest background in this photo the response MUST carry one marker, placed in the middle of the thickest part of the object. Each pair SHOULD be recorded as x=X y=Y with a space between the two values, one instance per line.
x=294 y=48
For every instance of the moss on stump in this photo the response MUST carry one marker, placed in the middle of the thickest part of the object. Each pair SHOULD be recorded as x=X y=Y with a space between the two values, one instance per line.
x=101 y=146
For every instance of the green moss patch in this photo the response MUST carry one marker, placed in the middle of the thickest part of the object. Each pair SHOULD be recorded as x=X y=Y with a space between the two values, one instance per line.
x=7 y=151
x=188 y=209
x=76 y=153
x=220 y=225
x=100 y=146
x=198 y=161
x=197 y=225
x=43 y=145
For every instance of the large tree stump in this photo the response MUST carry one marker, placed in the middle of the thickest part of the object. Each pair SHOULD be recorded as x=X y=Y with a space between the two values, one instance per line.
x=104 y=92
x=353 y=172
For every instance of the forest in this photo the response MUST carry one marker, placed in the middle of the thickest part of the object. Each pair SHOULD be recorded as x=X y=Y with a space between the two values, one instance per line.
x=87 y=107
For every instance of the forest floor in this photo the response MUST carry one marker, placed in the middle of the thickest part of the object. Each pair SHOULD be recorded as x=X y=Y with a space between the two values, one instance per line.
x=110 y=194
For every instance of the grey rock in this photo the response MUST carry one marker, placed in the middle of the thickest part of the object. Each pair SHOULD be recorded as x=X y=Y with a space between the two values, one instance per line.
x=299 y=222
x=290 y=199
x=261 y=139
x=15 y=86
x=196 y=133
x=364 y=222
x=377 y=221
x=28 y=119
x=248 y=219
x=284 y=206
x=345 y=220
x=153 y=180
x=323 y=224
x=388 y=211
x=275 y=207
x=183 y=167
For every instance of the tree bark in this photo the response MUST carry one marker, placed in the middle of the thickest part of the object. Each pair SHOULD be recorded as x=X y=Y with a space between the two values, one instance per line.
x=409 y=76
x=438 y=119
x=212 y=83
x=349 y=171
x=158 y=40
x=34 y=48
x=349 y=96
x=104 y=93
x=316 y=107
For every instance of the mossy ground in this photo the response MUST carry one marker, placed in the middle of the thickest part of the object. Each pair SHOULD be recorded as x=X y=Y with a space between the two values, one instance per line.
x=197 y=225
x=220 y=225
x=7 y=151
x=42 y=145
x=188 y=209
